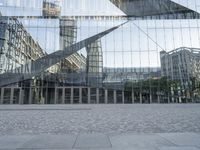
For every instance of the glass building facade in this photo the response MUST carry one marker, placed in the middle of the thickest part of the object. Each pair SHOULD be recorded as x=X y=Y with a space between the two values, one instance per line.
x=99 y=51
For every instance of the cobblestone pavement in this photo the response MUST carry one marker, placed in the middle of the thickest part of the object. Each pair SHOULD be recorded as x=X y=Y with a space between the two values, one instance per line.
x=107 y=119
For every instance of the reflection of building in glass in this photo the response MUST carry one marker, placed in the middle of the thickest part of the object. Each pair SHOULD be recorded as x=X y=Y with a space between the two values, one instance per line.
x=116 y=77
x=51 y=9
x=134 y=74
x=68 y=36
x=165 y=9
x=146 y=27
x=68 y=32
x=17 y=47
x=181 y=64
x=94 y=64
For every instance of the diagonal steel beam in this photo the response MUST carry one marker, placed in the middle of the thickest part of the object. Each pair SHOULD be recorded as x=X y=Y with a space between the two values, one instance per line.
x=40 y=65
x=142 y=8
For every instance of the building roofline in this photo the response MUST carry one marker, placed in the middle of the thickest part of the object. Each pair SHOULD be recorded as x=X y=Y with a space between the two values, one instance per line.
x=184 y=48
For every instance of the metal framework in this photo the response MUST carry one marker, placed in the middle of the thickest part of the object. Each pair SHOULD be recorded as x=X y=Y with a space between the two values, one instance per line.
x=17 y=46
x=181 y=64
x=66 y=76
x=68 y=36
x=164 y=9
x=35 y=68
x=94 y=65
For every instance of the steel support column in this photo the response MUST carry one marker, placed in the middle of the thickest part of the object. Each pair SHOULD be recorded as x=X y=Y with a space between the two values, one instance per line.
x=97 y=95
x=2 y=95
x=11 y=95
x=106 y=96
x=89 y=96
x=72 y=95
x=80 y=95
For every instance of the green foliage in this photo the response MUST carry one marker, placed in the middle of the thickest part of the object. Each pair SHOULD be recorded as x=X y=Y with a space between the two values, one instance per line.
x=159 y=84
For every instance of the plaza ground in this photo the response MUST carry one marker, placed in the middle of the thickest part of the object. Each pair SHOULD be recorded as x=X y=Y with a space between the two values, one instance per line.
x=134 y=126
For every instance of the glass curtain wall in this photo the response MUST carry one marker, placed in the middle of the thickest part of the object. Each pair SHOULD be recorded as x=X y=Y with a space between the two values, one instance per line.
x=151 y=58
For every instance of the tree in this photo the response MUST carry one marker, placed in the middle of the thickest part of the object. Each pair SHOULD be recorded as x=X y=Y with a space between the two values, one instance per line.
x=159 y=85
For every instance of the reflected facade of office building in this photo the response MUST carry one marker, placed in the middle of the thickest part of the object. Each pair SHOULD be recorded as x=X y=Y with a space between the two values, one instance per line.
x=107 y=51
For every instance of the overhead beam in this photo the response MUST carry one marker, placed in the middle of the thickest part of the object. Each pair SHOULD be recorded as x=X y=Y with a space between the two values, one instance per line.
x=144 y=8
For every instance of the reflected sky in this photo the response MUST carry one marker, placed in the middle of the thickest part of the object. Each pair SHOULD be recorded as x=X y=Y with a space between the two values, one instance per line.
x=136 y=44
x=69 y=7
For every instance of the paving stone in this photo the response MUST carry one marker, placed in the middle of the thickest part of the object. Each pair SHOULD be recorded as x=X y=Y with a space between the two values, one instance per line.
x=92 y=141
x=13 y=141
x=50 y=142
x=106 y=119
x=182 y=139
x=179 y=148
x=127 y=148
x=148 y=141
x=100 y=142
x=45 y=149
x=130 y=148
x=48 y=149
